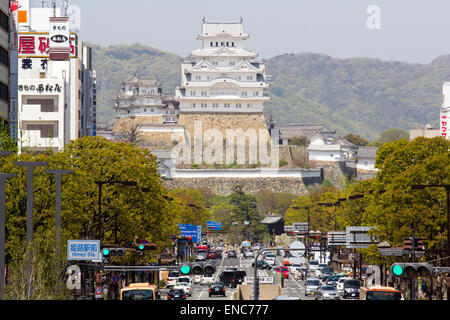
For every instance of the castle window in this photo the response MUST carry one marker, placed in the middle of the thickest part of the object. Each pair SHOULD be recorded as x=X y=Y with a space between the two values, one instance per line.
x=211 y=44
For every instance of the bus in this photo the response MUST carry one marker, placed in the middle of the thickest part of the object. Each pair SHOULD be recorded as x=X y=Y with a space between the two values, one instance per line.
x=139 y=291
x=379 y=293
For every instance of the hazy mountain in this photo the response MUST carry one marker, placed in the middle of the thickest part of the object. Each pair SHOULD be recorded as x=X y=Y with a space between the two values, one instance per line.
x=360 y=95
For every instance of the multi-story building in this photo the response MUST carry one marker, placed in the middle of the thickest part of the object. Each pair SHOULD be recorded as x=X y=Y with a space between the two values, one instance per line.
x=4 y=59
x=55 y=86
x=222 y=76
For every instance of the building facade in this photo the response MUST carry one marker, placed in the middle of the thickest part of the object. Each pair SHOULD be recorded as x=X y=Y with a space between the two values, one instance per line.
x=4 y=59
x=56 y=85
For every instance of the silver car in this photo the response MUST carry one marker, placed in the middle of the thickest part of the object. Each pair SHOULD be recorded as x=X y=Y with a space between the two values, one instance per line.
x=328 y=293
x=312 y=286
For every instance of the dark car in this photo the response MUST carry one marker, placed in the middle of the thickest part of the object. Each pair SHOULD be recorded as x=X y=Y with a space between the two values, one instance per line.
x=232 y=278
x=326 y=272
x=216 y=289
x=332 y=280
x=351 y=288
x=176 y=294
x=218 y=254
x=261 y=264
x=232 y=254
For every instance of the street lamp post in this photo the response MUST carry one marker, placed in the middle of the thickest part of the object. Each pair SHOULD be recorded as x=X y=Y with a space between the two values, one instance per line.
x=447 y=189
x=100 y=186
x=30 y=165
x=353 y=197
x=58 y=178
x=307 y=234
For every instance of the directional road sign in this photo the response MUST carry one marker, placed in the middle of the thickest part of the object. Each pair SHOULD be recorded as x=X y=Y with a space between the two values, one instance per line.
x=83 y=250
x=214 y=225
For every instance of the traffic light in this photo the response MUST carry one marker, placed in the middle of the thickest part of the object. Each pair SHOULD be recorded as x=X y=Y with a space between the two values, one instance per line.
x=184 y=268
x=411 y=270
x=144 y=245
x=109 y=252
x=188 y=268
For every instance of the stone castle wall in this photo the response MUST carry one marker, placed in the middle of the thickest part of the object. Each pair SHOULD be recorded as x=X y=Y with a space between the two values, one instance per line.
x=242 y=125
x=223 y=121
x=223 y=186
x=335 y=172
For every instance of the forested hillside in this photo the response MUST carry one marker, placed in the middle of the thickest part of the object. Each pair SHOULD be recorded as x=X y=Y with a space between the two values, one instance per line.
x=359 y=95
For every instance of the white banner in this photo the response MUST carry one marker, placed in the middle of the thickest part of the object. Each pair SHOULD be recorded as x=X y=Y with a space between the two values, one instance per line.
x=59 y=44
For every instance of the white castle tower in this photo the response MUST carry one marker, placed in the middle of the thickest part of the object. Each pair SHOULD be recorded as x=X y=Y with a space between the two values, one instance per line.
x=222 y=76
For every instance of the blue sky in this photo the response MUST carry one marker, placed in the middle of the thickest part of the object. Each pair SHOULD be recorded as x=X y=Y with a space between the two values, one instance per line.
x=411 y=30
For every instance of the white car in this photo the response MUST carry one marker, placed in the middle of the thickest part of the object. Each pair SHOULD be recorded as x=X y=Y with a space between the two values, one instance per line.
x=313 y=265
x=249 y=254
x=200 y=257
x=270 y=260
x=293 y=268
x=207 y=279
x=172 y=278
x=186 y=279
x=184 y=286
x=340 y=284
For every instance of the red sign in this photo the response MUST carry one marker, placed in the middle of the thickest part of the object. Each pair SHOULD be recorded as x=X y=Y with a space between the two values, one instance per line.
x=36 y=45
x=444 y=125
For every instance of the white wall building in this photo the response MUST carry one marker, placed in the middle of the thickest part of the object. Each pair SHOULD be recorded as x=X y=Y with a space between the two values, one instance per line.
x=222 y=76
x=366 y=157
x=143 y=97
x=55 y=84
x=320 y=149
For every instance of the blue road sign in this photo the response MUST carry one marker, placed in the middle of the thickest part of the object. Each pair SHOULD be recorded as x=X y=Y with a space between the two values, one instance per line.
x=193 y=231
x=83 y=249
x=213 y=225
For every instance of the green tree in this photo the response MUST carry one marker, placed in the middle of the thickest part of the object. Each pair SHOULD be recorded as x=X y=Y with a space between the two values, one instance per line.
x=395 y=208
x=48 y=272
x=194 y=209
x=6 y=143
x=356 y=139
x=127 y=212
x=245 y=209
x=390 y=135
